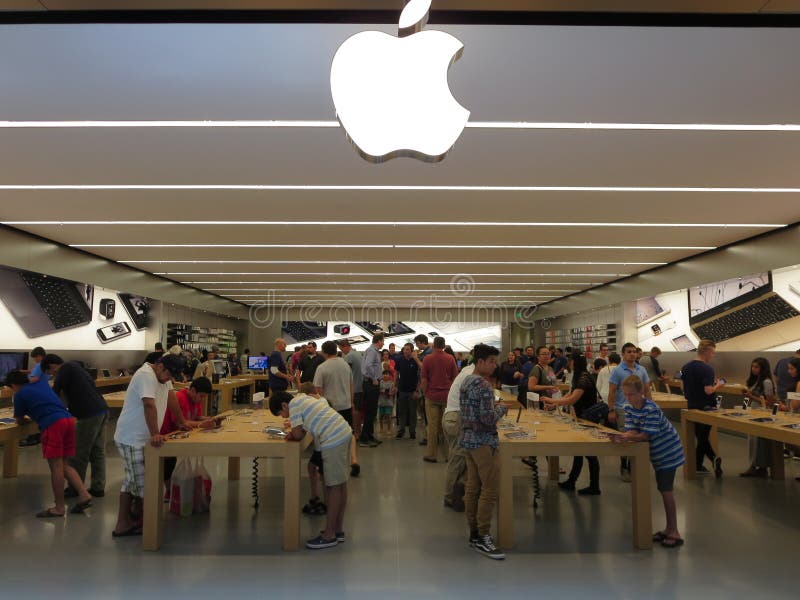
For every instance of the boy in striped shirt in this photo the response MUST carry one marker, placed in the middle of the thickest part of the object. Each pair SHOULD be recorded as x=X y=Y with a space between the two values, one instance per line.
x=644 y=422
x=332 y=437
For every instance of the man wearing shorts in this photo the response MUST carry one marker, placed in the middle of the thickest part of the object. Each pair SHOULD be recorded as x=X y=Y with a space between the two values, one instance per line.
x=139 y=423
x=332 y=436
x=57 y=426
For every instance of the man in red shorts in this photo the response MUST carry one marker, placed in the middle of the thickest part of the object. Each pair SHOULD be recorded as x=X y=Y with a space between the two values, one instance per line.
x=40 y=403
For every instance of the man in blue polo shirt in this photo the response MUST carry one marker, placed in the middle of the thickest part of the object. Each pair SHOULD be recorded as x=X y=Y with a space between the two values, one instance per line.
x=616 y=399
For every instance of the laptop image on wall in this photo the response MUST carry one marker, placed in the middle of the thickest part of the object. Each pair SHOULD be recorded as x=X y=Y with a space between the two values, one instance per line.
x=42 y=304
x=743 y=313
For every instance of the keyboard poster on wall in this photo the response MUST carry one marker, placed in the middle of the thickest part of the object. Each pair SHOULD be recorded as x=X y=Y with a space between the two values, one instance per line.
x=61 y=314
x=752 y=312
x=461 y=337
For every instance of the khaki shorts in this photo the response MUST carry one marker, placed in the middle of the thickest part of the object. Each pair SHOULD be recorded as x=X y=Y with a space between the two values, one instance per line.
x=337 y=464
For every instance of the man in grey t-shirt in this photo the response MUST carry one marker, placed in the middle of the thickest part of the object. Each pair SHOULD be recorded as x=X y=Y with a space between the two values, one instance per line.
x=353 y=358
x=334 y=381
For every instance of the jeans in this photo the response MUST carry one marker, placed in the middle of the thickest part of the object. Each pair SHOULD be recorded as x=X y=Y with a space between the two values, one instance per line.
x=594 y=471
x=457 y=465
x=371 y=393
x=406 y=412
x=435 y=411
x=624 y=461
x=483 y=484
x=90 y=448
x=704 y=448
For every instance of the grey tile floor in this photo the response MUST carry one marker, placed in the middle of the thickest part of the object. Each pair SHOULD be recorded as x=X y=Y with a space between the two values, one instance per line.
x=742 y=539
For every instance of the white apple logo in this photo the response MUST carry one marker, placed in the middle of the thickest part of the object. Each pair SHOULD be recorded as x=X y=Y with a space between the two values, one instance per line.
x=391 y=93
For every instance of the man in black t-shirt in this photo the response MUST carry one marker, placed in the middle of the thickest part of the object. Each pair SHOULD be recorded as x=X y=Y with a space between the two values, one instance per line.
x=308 y=364
x=699 y=387
x=91 y=411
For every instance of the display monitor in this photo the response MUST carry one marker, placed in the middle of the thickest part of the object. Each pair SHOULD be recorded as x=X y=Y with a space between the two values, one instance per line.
x=255 y=363
x=10 y=361
x=713 y=298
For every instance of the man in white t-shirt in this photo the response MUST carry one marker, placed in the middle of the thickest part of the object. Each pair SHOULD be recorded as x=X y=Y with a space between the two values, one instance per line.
x=139 y=423
x=604 y=374
x=451 y=425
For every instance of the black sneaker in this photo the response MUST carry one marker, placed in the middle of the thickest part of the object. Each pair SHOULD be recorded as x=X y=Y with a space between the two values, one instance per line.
x=400 y=435
x=355 y=470
x=97 y=493
x=485 y=545
x=474 y=538
x=413 y=436
x=718 y=467
x=375 y=441
x=589 y=491
x=339 y=536
x=319 y=542
x=567 y=485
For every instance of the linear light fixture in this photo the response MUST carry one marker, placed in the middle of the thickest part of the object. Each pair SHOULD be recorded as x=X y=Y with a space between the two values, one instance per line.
x=399 y=188
x=403 y=284
x=397 y=246
x=388 y=262
x=370 y=290
x=258 y=124
x=328 y=274
x=401 y=224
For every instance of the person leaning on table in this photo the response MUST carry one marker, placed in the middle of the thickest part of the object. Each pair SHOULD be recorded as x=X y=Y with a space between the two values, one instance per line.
x=645 y=422
x=761 y=390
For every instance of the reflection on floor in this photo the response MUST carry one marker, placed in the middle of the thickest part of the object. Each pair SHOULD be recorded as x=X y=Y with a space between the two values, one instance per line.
x=742 y=538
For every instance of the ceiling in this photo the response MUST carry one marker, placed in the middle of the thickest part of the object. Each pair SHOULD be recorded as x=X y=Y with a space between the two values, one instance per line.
x=289 y=214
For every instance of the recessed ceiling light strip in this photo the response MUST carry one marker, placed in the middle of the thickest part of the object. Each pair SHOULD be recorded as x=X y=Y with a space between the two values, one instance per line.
x=313 y=124
x=329 y=274
x=396 y=246
x=395 y=224
x=387 y=262
x=400 y=188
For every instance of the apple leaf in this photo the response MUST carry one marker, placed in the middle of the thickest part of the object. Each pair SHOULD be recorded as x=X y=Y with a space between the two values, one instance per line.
x=414 y=16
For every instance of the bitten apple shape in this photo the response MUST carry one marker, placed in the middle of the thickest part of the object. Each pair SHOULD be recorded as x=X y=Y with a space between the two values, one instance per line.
x=391 y=93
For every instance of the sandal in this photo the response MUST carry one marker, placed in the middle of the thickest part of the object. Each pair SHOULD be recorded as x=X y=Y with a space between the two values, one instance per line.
x=134 y=530
x=309 y=507
x=49 y=513
x=659 y=537
x=318 y=509
x=671 y=542
x=80 y=507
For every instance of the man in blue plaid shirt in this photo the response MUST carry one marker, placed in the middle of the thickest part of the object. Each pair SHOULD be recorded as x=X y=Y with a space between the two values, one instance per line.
x=479 y=417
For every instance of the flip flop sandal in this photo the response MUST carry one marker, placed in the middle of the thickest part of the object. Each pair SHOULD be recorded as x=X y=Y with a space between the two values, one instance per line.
x=49 y=514
x=135 y=530
x=318 y=509
x=80 y=507
x=670 y=542
x=659 y=537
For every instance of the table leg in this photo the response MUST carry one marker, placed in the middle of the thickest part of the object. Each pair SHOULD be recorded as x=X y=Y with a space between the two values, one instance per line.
x=776 y=453
x=152 y=531
x=226 y=399
x=505 y=501
x=689 y=447
x=552 y=468
x=640 y=498
x=233 y=468
x=291 y=497
x=252 y=391
x=11 y=456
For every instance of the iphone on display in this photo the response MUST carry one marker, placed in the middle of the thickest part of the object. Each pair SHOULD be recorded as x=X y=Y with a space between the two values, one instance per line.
x=113 y=332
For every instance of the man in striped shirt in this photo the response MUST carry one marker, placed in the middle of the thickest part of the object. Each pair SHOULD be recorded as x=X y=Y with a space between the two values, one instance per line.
x=644 y=422
x=332 y=437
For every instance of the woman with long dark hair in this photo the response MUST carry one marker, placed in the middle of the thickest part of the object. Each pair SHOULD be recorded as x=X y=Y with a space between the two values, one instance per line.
x=582 y=397
x=761 y=390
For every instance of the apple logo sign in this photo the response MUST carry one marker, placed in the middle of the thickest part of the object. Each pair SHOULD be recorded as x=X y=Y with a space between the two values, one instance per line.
x=391 y=93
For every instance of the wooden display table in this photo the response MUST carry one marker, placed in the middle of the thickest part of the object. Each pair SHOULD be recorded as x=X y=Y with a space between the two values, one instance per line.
x=112 y=381
x=241 y=435
x=741 y=422
x=10 y=435
x=731 y=388
x=115 y=399
x=669 y=401
x=555 y=438
x=225 y=388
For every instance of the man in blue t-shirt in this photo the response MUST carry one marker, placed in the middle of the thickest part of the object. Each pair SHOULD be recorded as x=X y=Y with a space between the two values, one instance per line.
x=783 y=381
x=39 y=403
x=278 y=376
x=617 y=402
x=699 y=387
